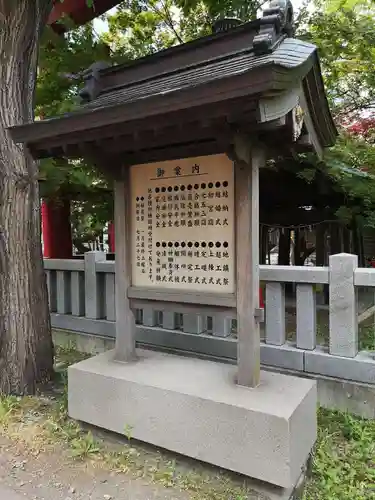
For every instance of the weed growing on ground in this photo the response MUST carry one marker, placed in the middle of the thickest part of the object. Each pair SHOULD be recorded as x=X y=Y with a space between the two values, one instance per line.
x=128 y=431
x=84 y=446
x=8 y=405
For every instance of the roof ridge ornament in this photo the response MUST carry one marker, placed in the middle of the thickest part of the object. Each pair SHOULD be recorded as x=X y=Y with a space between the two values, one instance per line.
x=91 y=77
x=277 y=19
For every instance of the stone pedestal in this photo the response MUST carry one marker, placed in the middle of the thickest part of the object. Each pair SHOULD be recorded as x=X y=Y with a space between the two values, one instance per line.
x=193 y=407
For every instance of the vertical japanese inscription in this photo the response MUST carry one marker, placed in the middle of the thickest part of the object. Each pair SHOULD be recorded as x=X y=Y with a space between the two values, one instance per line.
x=187 y=224
x=150 y=248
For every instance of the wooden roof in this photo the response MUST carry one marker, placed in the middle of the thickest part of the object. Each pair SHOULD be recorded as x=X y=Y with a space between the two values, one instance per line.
x=189 y=99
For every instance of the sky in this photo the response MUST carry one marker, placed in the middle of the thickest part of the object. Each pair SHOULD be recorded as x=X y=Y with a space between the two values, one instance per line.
x=101 y=26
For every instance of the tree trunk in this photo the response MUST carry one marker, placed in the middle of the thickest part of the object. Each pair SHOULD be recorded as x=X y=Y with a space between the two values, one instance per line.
x=26 y=350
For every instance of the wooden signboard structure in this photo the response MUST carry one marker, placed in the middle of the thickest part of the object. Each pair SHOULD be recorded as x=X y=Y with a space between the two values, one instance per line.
x=184 y=133
x=182 y=217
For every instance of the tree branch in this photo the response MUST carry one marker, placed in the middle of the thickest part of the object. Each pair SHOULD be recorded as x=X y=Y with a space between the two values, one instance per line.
x=171 y=22
x=168 y=20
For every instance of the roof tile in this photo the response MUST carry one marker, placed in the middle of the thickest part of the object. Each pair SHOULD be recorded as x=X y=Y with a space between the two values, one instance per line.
x=289 y=54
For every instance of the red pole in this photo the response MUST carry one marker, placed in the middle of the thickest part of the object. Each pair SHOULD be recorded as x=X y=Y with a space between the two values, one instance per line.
x=111 y=237
x=46 y=230
x=261 y=299
x=56 y=229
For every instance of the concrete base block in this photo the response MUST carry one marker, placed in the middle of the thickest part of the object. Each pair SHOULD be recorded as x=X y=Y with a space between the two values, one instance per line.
x=193 y=407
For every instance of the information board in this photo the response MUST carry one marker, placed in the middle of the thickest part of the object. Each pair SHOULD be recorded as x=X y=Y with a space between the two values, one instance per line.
x=182 y=224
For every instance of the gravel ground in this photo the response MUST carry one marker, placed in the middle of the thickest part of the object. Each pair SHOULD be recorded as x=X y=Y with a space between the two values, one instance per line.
x=49 y=476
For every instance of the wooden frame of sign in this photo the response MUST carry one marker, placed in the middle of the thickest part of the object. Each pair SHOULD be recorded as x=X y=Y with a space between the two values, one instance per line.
x=187 y=232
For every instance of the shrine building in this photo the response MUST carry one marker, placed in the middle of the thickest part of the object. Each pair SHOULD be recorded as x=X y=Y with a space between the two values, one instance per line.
x=184 y=134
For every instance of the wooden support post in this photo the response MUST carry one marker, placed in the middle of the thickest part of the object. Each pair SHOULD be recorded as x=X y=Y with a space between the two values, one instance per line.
x=248 y=161
x=125 y=321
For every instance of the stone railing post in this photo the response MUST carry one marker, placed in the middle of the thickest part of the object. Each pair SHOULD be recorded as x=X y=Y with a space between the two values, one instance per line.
x=94 y=296
x=343 y=321
x=275 y=313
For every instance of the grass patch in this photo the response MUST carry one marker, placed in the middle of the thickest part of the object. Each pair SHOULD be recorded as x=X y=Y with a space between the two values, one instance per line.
x=68 y=354
x=366 y=337
x=343 y=463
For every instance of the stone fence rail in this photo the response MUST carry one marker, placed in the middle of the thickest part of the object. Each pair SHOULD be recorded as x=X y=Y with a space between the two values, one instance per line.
x=297 y=334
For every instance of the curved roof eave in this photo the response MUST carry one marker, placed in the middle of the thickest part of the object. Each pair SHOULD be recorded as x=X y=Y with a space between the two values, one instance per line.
x=318 y=105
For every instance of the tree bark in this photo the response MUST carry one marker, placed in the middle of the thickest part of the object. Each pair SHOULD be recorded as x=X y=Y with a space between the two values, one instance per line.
x=26 y=350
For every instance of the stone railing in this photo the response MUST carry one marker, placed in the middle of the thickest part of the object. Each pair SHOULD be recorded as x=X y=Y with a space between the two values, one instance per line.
x=298 y=334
